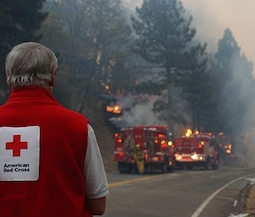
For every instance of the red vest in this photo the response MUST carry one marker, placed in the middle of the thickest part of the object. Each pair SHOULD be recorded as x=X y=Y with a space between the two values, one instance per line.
x=59 y=190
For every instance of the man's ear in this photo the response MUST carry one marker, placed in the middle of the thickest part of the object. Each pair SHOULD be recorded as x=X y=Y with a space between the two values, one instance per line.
x=52 y=81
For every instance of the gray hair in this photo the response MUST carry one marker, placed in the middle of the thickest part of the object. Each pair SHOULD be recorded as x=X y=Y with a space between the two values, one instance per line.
x=30 y=64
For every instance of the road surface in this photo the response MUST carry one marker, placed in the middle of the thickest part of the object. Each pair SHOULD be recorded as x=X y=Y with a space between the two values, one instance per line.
x=182 y=193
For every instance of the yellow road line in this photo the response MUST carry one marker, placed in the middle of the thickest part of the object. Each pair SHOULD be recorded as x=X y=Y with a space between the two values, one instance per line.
x=114 y=184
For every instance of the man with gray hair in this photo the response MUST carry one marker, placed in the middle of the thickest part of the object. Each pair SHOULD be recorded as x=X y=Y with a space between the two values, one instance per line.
x=50 y=162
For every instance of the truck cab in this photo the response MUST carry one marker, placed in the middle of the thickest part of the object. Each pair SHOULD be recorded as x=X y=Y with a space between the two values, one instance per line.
x=154 y=144
x=196 y=150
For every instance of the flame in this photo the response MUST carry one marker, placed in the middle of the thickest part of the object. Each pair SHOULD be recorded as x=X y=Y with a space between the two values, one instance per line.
x=116 y=109
x=228 y=148
x=107 y=87
x=188 y=133
x=220 y=134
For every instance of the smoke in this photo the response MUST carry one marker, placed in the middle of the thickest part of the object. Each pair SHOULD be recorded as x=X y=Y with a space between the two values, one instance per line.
x=212 y=17
x=132 y=4
x=245 y=149
x=137 y=111
x=238 y=105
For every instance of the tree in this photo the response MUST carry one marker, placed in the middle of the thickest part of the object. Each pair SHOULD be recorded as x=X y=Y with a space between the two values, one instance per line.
x=98 y=36
x=19 y=22
x=234 y=86
x=165 y=41
x=198 y=90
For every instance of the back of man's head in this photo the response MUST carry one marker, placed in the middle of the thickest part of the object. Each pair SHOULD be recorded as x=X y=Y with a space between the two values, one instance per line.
x=30 y=64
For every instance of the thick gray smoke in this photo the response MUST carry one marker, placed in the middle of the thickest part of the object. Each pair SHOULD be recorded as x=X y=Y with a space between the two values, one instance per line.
x=136 y=112
x=245 y=147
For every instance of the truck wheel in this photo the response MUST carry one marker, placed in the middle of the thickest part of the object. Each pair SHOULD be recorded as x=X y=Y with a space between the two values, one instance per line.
x=171 y=168
x=164 y=166
x=189 y=167
x=208 y=164
x=181 y=167
x=216 y=165
x=124 y=167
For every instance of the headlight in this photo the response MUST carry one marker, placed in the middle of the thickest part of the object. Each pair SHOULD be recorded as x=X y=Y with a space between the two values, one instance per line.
x=178 y=157
x=194 y=156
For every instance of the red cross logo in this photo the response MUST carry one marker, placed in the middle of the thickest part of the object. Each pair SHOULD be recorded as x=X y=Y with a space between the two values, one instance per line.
x=16 y=145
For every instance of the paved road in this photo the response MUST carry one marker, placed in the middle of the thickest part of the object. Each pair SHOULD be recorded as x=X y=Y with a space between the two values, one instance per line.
x=196 y=193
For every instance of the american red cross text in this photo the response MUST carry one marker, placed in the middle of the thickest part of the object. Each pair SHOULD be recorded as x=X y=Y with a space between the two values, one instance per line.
x=16 y=145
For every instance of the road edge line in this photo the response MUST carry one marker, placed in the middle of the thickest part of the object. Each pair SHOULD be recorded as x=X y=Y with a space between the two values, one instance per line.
x=205 y=203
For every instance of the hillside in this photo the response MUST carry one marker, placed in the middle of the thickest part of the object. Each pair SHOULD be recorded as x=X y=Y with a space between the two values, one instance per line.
x=104 y=132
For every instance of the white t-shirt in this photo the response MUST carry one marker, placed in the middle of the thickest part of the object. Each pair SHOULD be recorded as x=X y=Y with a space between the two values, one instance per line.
x=95 y=177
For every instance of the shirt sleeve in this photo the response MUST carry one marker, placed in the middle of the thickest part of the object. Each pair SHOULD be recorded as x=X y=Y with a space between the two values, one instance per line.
x=95 y=177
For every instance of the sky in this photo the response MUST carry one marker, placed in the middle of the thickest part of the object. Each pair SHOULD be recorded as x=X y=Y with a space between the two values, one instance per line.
x=212 y=17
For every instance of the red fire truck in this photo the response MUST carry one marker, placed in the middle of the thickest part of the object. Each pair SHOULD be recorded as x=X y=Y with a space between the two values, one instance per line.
x=196 y=150
x=144 y=148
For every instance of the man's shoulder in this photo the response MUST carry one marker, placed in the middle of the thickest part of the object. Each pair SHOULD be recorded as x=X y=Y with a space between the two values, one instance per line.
x=72 y=113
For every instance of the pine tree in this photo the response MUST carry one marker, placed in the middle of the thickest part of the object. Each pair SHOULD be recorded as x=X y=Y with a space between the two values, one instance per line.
x=197 y=88
x=165 y=41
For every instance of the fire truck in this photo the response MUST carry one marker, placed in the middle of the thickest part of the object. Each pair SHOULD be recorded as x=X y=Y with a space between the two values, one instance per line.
x=143 y=149
x=197 y=150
